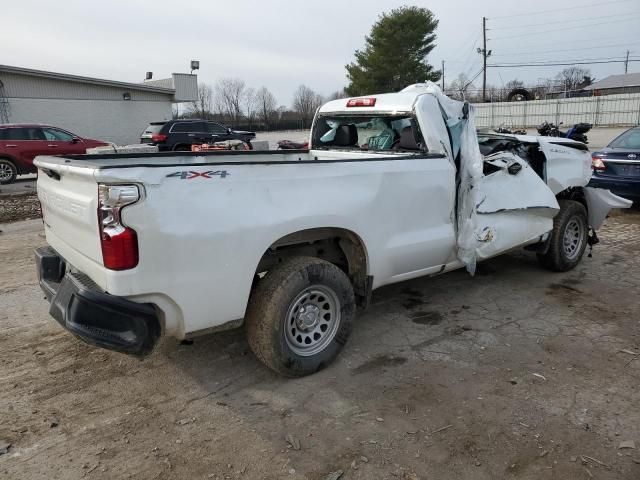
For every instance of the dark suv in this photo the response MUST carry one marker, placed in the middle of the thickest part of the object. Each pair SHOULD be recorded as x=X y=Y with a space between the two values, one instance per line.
x=179 y=135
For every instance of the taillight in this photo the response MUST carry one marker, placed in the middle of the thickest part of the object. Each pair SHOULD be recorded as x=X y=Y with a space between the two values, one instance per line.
x=597 y=163
x=119 y=243
x=158 y=138
x=361 y=102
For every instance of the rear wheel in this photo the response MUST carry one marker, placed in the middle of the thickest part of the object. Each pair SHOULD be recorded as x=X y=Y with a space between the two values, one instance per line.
x=568 y=237
x=8 y=171
x=300 y=315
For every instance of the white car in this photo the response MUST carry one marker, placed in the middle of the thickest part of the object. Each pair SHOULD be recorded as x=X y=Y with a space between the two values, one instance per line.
x=288 y=243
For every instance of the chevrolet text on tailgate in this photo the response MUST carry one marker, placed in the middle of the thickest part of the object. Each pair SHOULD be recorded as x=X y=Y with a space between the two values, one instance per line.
x=289 y=243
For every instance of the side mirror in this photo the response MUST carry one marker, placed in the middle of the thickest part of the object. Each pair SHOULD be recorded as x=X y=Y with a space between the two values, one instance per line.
x=75 y=140
x=228 y=130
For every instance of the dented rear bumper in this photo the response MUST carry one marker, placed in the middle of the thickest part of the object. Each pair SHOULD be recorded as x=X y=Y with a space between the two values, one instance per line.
x=92 y=315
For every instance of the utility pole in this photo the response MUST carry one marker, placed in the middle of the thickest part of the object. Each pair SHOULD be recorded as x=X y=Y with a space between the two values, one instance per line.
x=484 y=58
x=626 y=63
x=485 y=54
x=443 y=73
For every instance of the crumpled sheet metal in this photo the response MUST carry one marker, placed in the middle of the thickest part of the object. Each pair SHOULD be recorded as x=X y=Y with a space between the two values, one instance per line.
x=469 y=174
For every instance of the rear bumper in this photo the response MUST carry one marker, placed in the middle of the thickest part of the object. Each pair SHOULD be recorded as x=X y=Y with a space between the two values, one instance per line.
x=94 y=316
x=624 y=187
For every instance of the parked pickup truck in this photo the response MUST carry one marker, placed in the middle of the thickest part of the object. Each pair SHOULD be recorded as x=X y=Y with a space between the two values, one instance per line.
x=289 y=243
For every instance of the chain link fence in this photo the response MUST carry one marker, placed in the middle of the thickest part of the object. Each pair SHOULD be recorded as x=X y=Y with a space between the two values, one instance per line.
x=610 y=111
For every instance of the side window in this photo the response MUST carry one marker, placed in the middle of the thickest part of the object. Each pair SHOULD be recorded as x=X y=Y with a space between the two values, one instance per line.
x=3 y=133
x=216 y=128
x=55 y=135
x=188 y=127
x=23 y=134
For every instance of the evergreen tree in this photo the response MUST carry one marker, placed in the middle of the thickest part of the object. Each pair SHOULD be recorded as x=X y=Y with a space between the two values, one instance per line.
x=395 y=53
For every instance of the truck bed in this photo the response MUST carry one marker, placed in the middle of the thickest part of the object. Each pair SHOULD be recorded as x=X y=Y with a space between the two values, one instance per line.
x=205 y=220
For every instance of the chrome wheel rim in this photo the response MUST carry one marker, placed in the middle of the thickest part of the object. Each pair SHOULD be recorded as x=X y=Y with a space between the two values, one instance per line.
x=6 y=172
x=573 y=238
x=312 y=320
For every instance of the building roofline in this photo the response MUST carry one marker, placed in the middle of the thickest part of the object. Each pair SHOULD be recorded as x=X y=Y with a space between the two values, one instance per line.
x=90 y=80
x=616 y=81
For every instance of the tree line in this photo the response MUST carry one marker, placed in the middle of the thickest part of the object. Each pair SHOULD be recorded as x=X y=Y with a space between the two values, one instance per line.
x=232 y=102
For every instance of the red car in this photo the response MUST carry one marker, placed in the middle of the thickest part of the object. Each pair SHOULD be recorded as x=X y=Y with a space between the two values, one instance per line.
x=21 y=143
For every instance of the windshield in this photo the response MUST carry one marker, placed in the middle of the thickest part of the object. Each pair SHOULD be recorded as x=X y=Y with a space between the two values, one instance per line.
x=629 y=139
x=378 y=133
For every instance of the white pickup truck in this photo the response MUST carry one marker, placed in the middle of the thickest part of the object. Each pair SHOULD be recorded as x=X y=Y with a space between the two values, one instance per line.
x=288 y=243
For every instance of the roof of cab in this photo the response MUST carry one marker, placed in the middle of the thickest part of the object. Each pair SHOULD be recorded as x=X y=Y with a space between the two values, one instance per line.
x=401 y=102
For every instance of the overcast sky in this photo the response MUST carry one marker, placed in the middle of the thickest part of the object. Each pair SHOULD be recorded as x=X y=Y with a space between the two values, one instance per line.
x=284 y=43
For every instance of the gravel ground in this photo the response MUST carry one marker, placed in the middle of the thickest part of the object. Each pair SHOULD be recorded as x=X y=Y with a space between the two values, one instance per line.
x=516 y=373
x=21 y=206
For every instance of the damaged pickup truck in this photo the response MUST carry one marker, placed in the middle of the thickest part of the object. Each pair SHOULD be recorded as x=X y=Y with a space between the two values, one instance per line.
x=288 y=243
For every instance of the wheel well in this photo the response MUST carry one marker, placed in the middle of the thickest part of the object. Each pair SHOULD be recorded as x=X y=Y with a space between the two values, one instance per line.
x=575 y=194
x=179 y=146
x=17 y=166
x=339 y=246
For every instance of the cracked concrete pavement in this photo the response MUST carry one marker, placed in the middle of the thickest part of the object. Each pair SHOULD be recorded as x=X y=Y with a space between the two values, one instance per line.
x=515 y=373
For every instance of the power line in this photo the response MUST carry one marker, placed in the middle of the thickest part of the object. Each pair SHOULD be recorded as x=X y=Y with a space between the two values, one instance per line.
x=510 y=65
x=583 y=43
x=543 y=62
x=629 y=18
x=462 y=51
x=561 y=21
x=520 y=51
x=539 y=12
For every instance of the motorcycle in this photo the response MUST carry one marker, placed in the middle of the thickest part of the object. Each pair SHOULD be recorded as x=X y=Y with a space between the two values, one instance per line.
x=289 y=145
x=503 y=129
x=576 y=132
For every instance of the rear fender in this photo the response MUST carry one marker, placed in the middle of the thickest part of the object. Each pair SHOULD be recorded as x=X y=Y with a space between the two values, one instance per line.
x=600 y=202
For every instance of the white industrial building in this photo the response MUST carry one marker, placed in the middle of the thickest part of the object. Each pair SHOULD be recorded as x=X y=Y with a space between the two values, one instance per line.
x=90 y=107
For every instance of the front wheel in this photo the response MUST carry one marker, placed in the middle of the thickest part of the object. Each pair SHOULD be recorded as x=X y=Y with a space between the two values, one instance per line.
x=568 y=237
x=300 y=316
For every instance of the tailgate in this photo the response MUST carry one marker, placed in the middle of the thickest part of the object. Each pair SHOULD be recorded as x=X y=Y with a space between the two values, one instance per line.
x=69 y=199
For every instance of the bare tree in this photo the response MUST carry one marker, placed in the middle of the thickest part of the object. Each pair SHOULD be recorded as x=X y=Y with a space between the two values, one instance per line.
x=230 y=97
x=459 y=88
x=574 y=78
x=337 y=95
x=202 y=107
x=544 y=87
x=251 y=106
x=306 y=102
x=266 y=106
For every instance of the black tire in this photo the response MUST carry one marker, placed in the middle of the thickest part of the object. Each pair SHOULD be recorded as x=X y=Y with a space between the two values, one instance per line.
x=561 y=257
x=182 y=148
x=277 y=297
x=8 y=171
x=519 y=95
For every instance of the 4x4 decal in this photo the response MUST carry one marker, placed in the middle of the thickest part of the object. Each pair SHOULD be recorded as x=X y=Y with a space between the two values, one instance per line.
x=188 y=175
